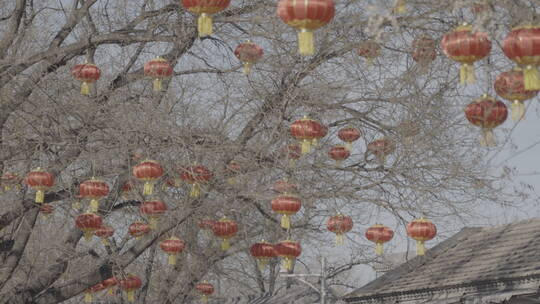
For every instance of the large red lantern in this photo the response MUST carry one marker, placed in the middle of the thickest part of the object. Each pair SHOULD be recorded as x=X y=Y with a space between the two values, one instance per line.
x=248 y=53
x=369 y=50
x=306 y=16
x=148 y=171
x=379 y=234
x=88 y=223
x=486 y=113
x=94 y=190
x=40 y=181
x=158 y=69
x=306 y=131
x=424 y=49
x=381 y=148
x=288 y=251
x=109 y=284
x=138 y=229
x=421 y=230
x=130 y=285
x=466 y=47
x=196 y=175
x=339 y=153
x=286 y=205
x=205 y=8
x=88 y=293
x=153 y=210
x=339 y=224
x=522 y=45
x=205 y=289
x=87 y=73
x=104 y=232
x=262 y=252
x=349 y=135
x=285 y=187
x=225 y=229
x=9 y=181
x=511 y=86
x=172 y=246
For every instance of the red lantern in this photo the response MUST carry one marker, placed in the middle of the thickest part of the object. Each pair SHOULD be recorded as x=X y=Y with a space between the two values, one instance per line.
x=486 y=113
x=306 y=16
x=130 y=284
x=522 y=45
x=196 y=175
x=94 y=190
x=153 y=210
x=379 y=234
x=339 y=153
x=339 y=224
x=104 y=232
x=424 y=49
x=511 y=86
x=285 y=187
x=158 y=68
x=205 y=8
x=46 y=210
x=286 y=205
x=288 y=251
x=421 y=230
x=172 y=246
x=369 y=50
x=40 y=181
x=262 y=252
x=89 y=291
x=294 y=152
x=248 y=53
x=307 y=130
x=349 y=135
x=126 y=188
x=10 y=180
x=381 y=148
x=225 y=229
x=109 y=284
x=138 y=229
x=466 y=47
x=206 y=289
x=148 y=171
x=87 y=73
x=88 y=223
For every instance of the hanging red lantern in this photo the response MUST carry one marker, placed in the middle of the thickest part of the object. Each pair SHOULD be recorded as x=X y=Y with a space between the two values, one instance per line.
x=88 y=223
x=138 y=229
x=88 y=293
x=130 y=285
x=349 y=135
x=158 y=69
x=285 y=187
x=286 y=205
x=522 y=45
x=486 y=113
x=288 y=251
x=153 y=210
x=110 y=283
x=306 y=16
x=104 y=232
x=294 y=152
x=339 y=224
x=172 y=246
x=369 y=50
x=379 y=234
x=262 y=252
x=87 y=73
x=424 y=49
x=148 y=171
x=9 y=181
x=306 y=130
x=126 y=188
x=339 y=153
x=196 y=175
x=94 y=190
x=511 y=86
x=40 y=181
x=205 y=289
x=421 y=230
x=381 y=148
x=46 y=210
x=466 y=47
x=248 y=53
x=205 y=8
x=225 y=229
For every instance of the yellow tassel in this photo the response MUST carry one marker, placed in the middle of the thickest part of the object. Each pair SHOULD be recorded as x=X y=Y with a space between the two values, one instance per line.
x=131 y=296
x=110 y=291
x=40 y=196
x=87 y=235
x=262 y=263
x=339 y=239
x=531 y=78
x=379 y=249
x=105 y=242
x=7 y=188
x=231 y=181
x=153 y=223
x=225 y=245
x=204 y=24
x=247 y=68
x=305 y=42
x=87 y=297
x=466 y=74
x=400 y=7
x=85 y=88
x=148 y=188
x=288 y=263
x=306 y=146
x=157 y=85
x=172 y=259
x=348 y=146
x=518 y=110
x=205 y=299
x=76 y=206
x=285 y=221
x=195 y=190
x=94 y=206
x=420 y=248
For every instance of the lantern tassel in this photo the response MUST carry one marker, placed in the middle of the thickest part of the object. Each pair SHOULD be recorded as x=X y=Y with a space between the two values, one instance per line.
x=157 y=85
x=379 y=249
x=400 y=7
x=231 y=181
x=131 y=295
x=247 y=68
x=153 y=223
x=262 y=263
x=306 y=146
x=40 y=196
x=287 y=263
x=285 y=221
x=110 y=291
x=87 y=235
x=488 y=138
x=518 y=110
x=105 y=242
x=204 y=24
x=87 y=297
x=94 y=206
x=85 y=88
x=466 y=74
x=195 y=190
x=292 y=163
x=348 y=146
x=531 y=78
x=148 y=188
x=305 y=42
x=420 y=248
x=172 y=259
x=225 y=245
x=339 y=239
x=205 y=299
x=76 y=205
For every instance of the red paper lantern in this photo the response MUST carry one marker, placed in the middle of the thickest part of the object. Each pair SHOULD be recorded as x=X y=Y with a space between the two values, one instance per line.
x=196 y=175
x=349 y=135
x=288 y=251
x=339 y=224
x=286 y=205
x=87 y=73
x=306 y=16
x=225 y=229
x=511 y=86
x=424 y=49
x=466 y=47
x=138 y=229
x=306 y=131
x=205 y=8
x=40 y=181
x=153 y=210
x=369 y=50
x=262 y=252
x=104 y=232
x=381 y=148
x=88 y=293
x=379 y=234
x=172 y=246
x=205 y=289
x=522 y=45
x=486 y=113
x=293 y=152
x=109 y=284
x=285 y=187
x=248 y=53
x=10 y=180
x=88 y=223
x=94 y=190
x=148 y=171
x=339 y=153
x=46 y=209
x=421 y=230
x=130 y=284
x=158 y=69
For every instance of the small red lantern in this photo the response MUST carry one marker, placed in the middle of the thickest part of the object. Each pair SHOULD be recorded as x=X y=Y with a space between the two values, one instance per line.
x=153 y=210
x=306 y=130
x=285 y=187
x=40 y=181
x=88 y=223
x=248 y=53
x=172 y=246
x=466 y=47
x=424 y=49
x=306 y=16
x=288 y=251
x=205 y=289
x=421 y=230
x=522 y=45
x=87 y=73
x=379 y=234
x=158 y=69
x=486 y=113
x=196 y=175
x=46 y=210
x=381 y=148
x=262 y=252
x=349 y=135
x=138 y=229
x=205 y=8
x=148 y=171
x=369 y=50
x=88 y=297
x=10 y=180
x=104 y=232
x=126 y=188
x=94 y=190
x=109 y=284
x=286 y=205
x=339 y=224
x=225 y=229
x=339 y=153
x=511 y=86
x=294 y=152
x=130 y=284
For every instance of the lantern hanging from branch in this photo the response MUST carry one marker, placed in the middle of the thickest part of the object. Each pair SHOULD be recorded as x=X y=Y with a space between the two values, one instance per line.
x=94 y=190
x=339 y=224
x=88 y=293
x=511 y=86
x=148 y=171
x=339 y=154
x=262 y=252
x=381 y=148
x=158 y=69
x=104 y=233
x=306 y=16
x=40 y=181
x=127 y=187
x=486 y=113
x=522 y=45
x=369 y=50
x=288 y=251
x=349 y=135
x=10 y=181
x=286 y=205
x=153 y=210
x=87 y=73
x=225 y=229
x=424 y=49
x=110 y=283
x=204 y=9
x=379 y=234
x=196 y=175
x=130 y=285
x=172 y=246
x=138 y=229
x=307 y=131
x=421 y=230
x=88 y=223
x=248 y=53
x=205 y=289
